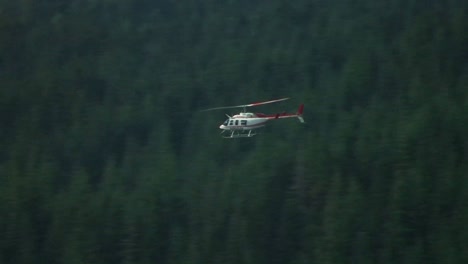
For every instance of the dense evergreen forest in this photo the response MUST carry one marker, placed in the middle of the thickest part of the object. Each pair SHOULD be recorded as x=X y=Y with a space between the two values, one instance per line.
x=105 y=157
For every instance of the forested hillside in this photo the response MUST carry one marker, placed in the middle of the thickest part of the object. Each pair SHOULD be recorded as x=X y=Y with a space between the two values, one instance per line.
x=105 y=157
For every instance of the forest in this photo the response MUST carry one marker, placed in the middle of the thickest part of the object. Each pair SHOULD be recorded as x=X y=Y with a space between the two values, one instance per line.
x=105 y=156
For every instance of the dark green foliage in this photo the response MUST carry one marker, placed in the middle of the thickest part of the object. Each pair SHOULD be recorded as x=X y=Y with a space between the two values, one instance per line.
x=104 y=157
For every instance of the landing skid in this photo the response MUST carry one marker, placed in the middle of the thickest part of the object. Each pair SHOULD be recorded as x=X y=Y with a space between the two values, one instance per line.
x=240 y=134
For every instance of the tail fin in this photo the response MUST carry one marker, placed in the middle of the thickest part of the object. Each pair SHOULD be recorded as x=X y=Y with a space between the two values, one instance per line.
x=299 y=113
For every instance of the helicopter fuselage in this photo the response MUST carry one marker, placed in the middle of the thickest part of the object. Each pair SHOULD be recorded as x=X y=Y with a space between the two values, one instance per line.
x=244 y=121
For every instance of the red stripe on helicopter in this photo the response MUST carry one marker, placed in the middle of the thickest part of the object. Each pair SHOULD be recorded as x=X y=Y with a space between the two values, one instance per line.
x=276 y=116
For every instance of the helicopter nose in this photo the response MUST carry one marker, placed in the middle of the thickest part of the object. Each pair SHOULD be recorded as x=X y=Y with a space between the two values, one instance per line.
x=221 y=126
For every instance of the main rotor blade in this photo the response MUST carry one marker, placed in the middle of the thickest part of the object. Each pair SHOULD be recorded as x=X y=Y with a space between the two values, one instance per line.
x=267 y=102
x=222 y=107
x=246 y=105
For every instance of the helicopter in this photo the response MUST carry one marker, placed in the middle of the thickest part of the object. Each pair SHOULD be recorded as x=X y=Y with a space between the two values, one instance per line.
x=245 y=123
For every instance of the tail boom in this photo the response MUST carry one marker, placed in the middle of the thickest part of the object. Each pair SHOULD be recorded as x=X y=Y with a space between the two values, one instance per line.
x=298 y=114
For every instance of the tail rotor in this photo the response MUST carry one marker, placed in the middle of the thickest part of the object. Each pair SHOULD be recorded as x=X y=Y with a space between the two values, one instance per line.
x=299 y=113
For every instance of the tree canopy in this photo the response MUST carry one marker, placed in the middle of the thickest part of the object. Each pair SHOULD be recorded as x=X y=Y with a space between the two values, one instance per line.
x=105 y=157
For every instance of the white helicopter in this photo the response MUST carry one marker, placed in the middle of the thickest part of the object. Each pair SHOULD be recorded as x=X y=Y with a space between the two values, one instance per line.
x=245 y=123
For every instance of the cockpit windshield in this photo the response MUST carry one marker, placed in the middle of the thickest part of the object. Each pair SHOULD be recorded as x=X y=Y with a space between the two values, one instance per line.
x=226 y=122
